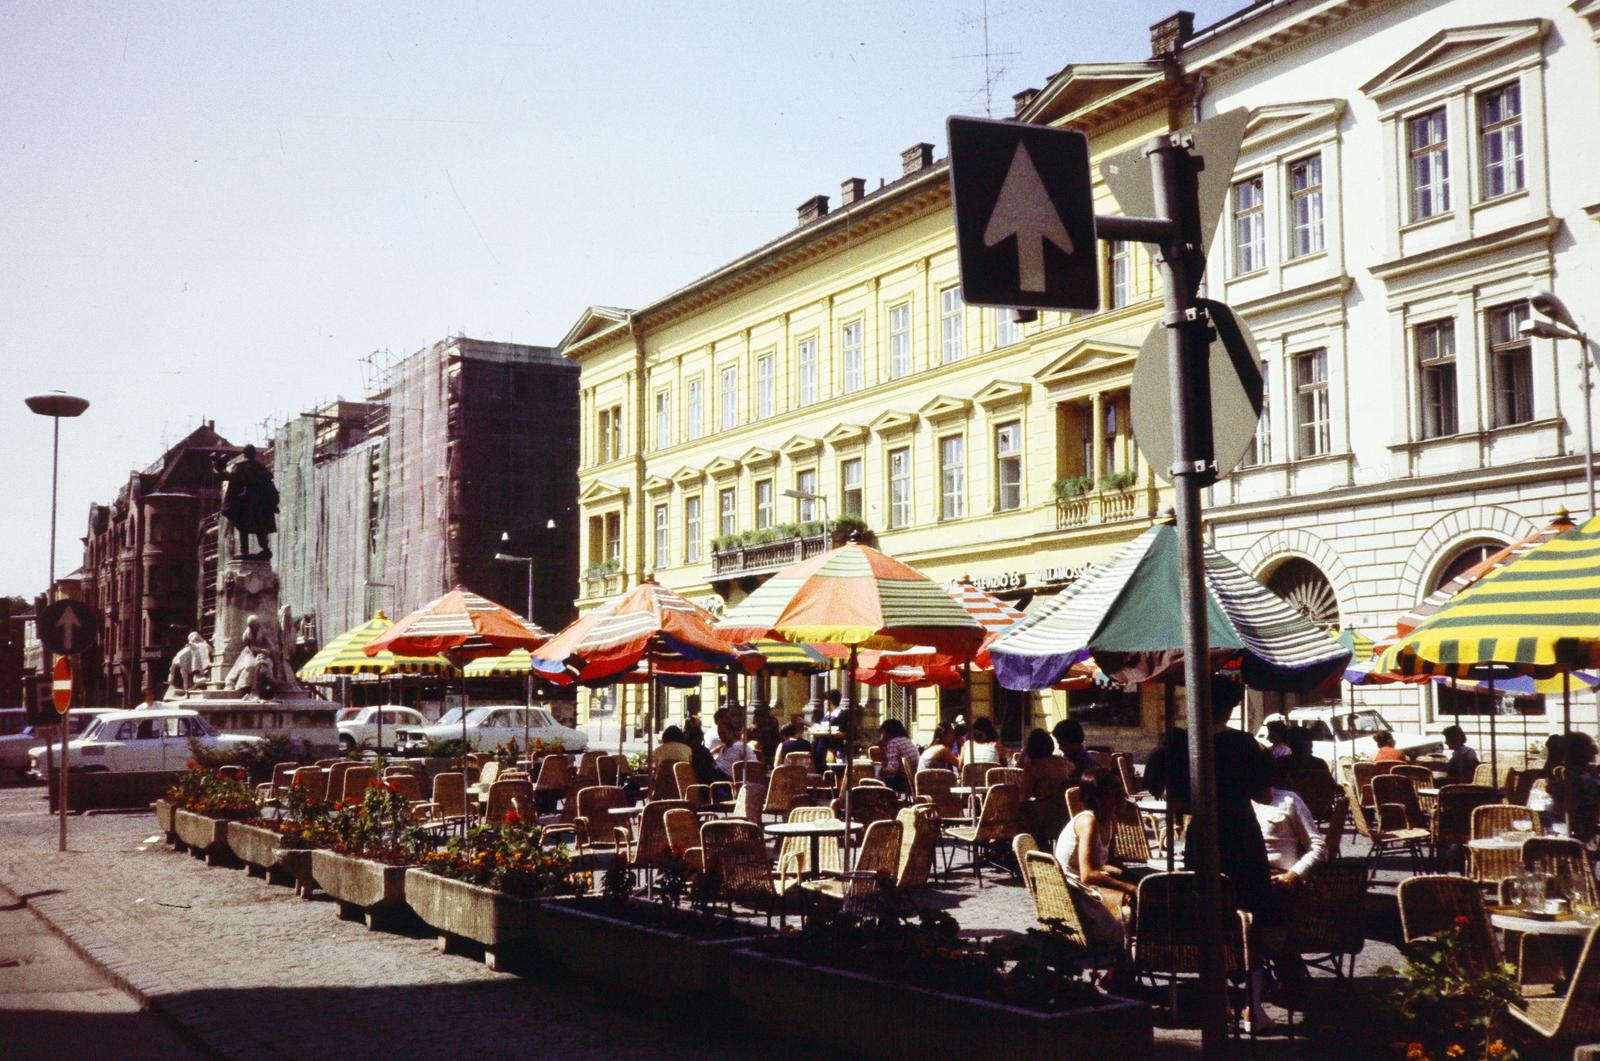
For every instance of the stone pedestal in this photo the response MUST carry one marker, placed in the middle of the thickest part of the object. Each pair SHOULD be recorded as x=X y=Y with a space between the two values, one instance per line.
x=244 y=588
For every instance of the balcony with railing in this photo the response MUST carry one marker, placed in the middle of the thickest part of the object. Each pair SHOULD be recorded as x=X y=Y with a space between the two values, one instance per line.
x=736 y=561
x=599 y=583
x=1102 y=506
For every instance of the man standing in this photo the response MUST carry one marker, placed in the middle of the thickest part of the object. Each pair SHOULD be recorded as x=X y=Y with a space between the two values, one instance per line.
x=249 y=501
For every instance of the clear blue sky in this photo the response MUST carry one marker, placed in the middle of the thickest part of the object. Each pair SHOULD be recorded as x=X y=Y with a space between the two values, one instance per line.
x=213 y=210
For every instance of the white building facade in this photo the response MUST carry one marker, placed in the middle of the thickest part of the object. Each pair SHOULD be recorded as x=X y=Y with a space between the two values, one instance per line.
x=1410 y=173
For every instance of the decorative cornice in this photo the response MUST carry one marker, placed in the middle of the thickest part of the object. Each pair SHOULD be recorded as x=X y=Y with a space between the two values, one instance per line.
x=943 y=408
x=801 y=446
x=758 y=457
x=1539 y=230
x=893 y=422
x=1334 y=287
x=687 y=476
x=1000 y=393
x=1087 y=358
x=844 y=435
x=1454 y=50
x=722 y=467
x=599 y=490
x=655 y=484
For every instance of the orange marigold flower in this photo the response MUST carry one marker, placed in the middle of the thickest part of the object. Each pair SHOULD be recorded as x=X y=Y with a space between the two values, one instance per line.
x=1455 y=1050
x=1497 y=1048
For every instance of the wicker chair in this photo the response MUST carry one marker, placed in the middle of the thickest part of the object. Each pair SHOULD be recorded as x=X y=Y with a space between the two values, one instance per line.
x=1166 y=932
x=794 y=857
x=1452 y=820
x=736 y=852
x=233 y=772
x=407 y=786
x=683 y=831
x=1315 y=784
x=592 y=824
x=859 y=772
x=1328 y=925
x=996 y=824
x=585 y=775
x=1002 y=775
x=1363 y=773
x=919 y=841
x=1391 y=833
x=555 y=774
x=748 y=801
x=1420 y=776
x=313 y=782
x=934 y=787
x=1054 y=906
x=1044 y=816
x=689 y=787
x=972 y=774
x=786 y=789
x=1392 y=789
x=1563 y=1022
x=1021 y=844
x=449 y=803
x=880 y=852
x=1430 y=905
x=1565 y=856
x=336 y=774
x=357 y=780
x=805 y=759
x=749 y=772
x=506 y=796
x=1074 y=798
x=1128 y=840
x=1490 y=820
x=870 y=803
x=652 y=845
x=267 y=794
x=663 y=782
x=1132 y=783
x=488 y=775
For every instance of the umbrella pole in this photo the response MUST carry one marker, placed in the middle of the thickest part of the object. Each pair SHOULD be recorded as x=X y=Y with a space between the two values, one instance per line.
x=1494 y=756
x=849 y=749
x=1169 y=703
x=650 y=730
x=1566 y=705
x=622 y=714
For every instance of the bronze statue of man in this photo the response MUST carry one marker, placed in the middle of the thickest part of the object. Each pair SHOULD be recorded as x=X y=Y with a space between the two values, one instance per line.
x=249 y=501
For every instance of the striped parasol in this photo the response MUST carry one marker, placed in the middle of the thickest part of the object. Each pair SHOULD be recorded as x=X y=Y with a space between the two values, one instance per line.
x=1126 y=615
x=789 y=655
x=461 y=625
x=649 y=621
x=518 y=663
x=345 y=655
x=857 y=596
x=1538 y=613
x=905 y=668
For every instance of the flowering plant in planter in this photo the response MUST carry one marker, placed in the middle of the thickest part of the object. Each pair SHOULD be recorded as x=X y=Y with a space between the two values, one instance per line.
x=379 y=827
x=1448 y=1004
x=204 y=791
x=508 y=858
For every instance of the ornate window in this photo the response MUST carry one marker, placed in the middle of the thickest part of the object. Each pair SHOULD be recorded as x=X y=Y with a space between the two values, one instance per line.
x=1436 y=377
x=1427 y=137
x=1249 y=227
x=1500 y=140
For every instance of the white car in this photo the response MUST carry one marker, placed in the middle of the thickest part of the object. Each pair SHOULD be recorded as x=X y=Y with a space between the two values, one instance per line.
x=1346 y=733
x=489 y=726
x=132 y=741
x=358 y=726
x=17 y=738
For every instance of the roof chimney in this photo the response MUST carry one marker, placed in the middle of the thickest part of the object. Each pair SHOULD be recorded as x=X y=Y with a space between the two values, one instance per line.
x=915 y=157
x=1168 y=36
x=813 y=208
x=1023 y=98
x=852 y=190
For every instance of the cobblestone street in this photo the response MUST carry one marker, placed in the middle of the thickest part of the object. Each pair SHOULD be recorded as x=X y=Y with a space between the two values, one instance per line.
x=248 y=970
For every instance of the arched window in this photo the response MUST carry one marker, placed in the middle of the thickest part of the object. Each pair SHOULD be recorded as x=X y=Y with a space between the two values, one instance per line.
x=1308 y=591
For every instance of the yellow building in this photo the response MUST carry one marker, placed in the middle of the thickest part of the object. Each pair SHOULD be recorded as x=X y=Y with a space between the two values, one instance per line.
x=840 y=361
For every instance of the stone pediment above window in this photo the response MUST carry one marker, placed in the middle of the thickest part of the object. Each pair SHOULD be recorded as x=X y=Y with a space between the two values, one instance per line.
x=801 y=446
x=1269 y=126
x=1450 y=54
x=1589 y=10
x=721 y=467
x=943 y=409
x=656 y=484
x=893 y=422
x=1088 y=362
x=758 y=457
x=1001 y=393
x=687 y=476
x=600 y=491
x=844 y=436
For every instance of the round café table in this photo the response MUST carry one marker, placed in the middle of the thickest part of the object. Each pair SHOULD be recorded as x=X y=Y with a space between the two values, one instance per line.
x=816 y=830
x=1508 y=922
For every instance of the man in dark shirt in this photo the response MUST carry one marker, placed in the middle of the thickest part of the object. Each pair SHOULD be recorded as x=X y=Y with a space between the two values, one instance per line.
x=1069 y=737
x=1242 y=767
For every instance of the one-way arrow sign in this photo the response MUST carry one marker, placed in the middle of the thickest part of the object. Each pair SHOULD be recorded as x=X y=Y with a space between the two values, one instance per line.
x=1024 y=215
x=68 y=627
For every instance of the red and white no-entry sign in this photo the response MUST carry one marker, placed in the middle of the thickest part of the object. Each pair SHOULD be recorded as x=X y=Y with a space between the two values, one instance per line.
x=61 y=690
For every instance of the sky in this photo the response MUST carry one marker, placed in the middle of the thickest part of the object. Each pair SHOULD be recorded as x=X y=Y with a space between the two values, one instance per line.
x=217 y=210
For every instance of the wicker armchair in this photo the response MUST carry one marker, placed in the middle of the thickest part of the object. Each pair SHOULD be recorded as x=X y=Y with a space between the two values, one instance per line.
x=1362 y=774
x=555 y=774
x=1393 y=790
x=749 y=773
x=652 y=845
x=735 y=852
x=1002 y=775
x=1075 y=807
x=585 y=775
x=748 y=801
x=592 y=825
x=683 y=833
x=1391 y=833
x=1166 y=930
x=233 y=772
x=1053 y=904
x=786 y=789
x=1430 y=905
x=488 y=775
x=267 y=794
x=664 y=782
x=879 y=853
x=1128 y=840
x=794 y=857
x=336 y=774
x=870 y=803
x=449 y=803
x=805 y=759
x=357 y=780
x=972 y=774
x=1420 y=776
x=313 y=782
x=859 y=772
x=934 y=787
x=1566 y=1020
x=1132 y=783
x=505 y=796
x=1452 y=820
x=1565 y=856
x=689 y=786
x=1021 y=844
x=919 y=841
x=1491 y=866
x=1328 y=925
x=996 y=824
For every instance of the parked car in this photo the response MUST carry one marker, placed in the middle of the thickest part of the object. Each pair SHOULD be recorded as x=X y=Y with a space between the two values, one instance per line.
x=17 y=737
x=1346 y=733
x=129 y=741
x=489 y=726
x=358 y=726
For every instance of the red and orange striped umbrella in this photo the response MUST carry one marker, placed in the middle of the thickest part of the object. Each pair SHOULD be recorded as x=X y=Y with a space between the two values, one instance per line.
x=648 y=622
x=461 y=625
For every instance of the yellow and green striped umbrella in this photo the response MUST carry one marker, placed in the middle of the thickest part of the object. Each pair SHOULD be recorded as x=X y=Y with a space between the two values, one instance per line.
x=345 y=655
x=1538 y=614
x=514 y=664
x=790 y=655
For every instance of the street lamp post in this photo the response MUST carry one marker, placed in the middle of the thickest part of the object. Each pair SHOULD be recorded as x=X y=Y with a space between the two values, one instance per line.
x=512 y=558
x=1560 y=324
x=55 y=405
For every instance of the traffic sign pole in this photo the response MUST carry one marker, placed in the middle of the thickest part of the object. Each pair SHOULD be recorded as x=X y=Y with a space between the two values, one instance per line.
x=63 y=676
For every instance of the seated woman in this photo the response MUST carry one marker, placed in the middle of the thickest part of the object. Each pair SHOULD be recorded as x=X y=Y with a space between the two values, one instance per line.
x=983 y=745
x=938 y=752
x=1084 y=851
x=1045 y=777
x=1294 y=843
x=897 y=748
x=1387 y=752
x=729 y=749
x=791 y=741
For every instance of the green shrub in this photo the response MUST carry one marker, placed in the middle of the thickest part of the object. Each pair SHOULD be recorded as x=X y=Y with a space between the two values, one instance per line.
x=1073 y=486
x=1119 y=480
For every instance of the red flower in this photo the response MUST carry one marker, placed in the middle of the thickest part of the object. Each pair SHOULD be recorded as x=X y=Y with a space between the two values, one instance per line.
x=338 y=804
x=512 y=817
x=374 y=783
x=1463 y=920
x=192 y=765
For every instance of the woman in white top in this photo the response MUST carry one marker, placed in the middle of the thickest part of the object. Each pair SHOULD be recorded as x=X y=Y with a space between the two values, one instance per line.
x=729 y=749
x=983 y=745
x=938 y=752
x=1294 y=843
x=1084 y=851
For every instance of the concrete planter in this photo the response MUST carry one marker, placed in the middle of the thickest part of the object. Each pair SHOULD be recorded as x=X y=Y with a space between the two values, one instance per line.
x=164 y=813
x=204 y=837
x=642 y=959
x=295 y=863
x=255 y=846
x=845 y=1010
x=458 y=911
x=366 y=891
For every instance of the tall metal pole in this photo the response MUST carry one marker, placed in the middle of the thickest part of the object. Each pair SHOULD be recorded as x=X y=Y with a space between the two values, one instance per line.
x=1585 y=351
x=66 y=721
x=1173 y=174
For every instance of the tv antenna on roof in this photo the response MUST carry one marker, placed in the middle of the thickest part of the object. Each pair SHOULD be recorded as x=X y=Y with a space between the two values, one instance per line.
x=991 y=74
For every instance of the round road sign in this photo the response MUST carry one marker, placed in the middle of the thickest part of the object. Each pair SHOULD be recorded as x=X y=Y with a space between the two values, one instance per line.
x=68 y=627
x=61 y=688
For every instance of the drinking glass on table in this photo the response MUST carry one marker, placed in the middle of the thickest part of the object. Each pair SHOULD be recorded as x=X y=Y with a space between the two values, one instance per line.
x=1530 y=892
x=1522 y=828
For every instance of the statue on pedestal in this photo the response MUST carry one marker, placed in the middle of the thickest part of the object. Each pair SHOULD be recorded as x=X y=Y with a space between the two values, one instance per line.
x=249 y=501
x=260 y=668
x=189 y=666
